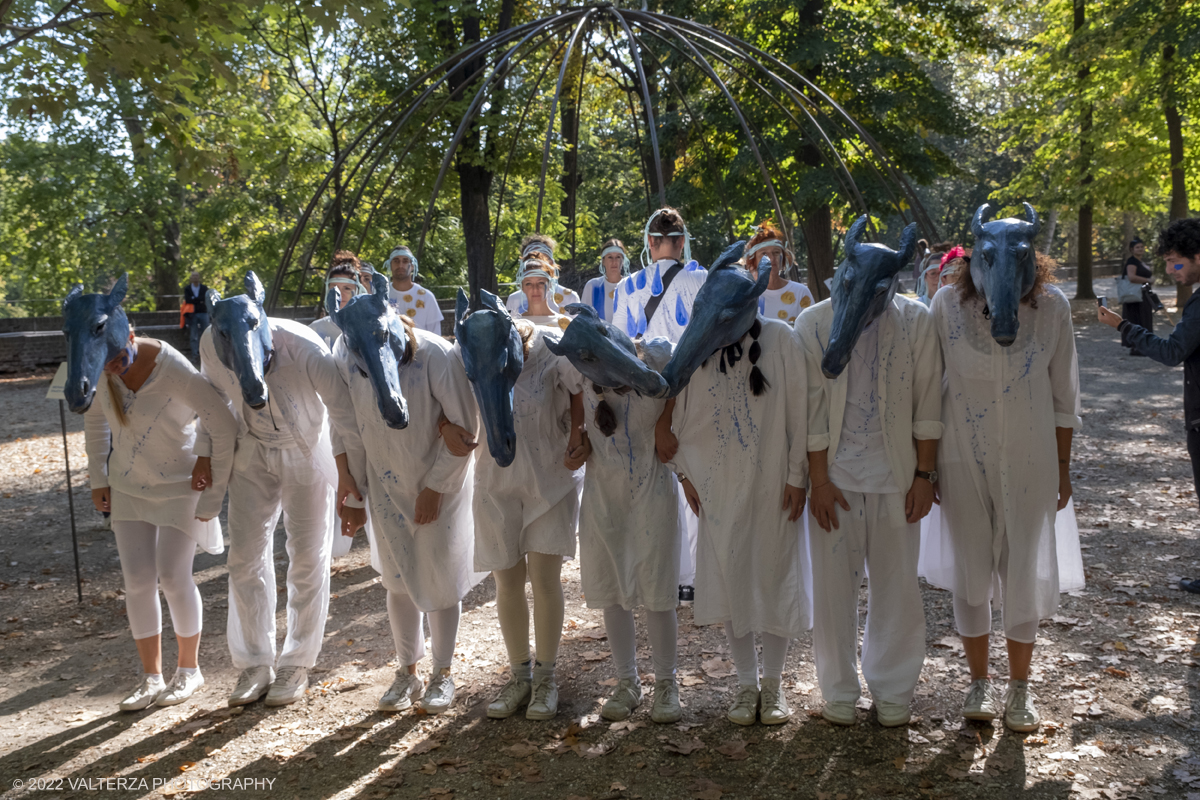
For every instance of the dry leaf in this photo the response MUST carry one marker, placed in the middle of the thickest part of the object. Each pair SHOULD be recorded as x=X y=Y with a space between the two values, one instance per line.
x=424 y=747
x=685 y=747
x=520 y=750
x=611 y=682
x=735 y=749
x=705 y=789
x=691 y=680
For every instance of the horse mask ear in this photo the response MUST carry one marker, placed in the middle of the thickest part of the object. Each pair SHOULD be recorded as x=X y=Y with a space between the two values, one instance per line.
x=981 y=218
x=908 y=243
x=854 y=237
x=553 y=345
x=332 y=299
x=76 y=291
x=211 y=299
x=379 y=287
x=254 y=289
x=117 y=294
x=461 y=306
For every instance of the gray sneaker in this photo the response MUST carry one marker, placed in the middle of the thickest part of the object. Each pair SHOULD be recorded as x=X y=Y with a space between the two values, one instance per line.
x=543 y=703
x=773 y=707
x=252 y=684
x=289 y=686
x=514 y=695
x=405 y=690
x=625 y=698
x=666 y=708
x=182 y=686
x=981 y=702
x=1019 y=712
x=744 y=710
x=144 y=695
x=439 y=694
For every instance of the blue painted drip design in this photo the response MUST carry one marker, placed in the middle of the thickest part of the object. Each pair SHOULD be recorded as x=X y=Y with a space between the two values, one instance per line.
x=762 y=305
x=681 y=312
x=656 y=286
x=692 y=266
x=598 y=299
x=640 y=279
x=628 y=284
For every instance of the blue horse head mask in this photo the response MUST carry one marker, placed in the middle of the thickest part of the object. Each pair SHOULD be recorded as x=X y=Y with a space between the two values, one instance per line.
x=604 y=354
x=1004 y=267
x=97 y=331
x=241 y=335
x=493 y=356
x=725 y=310
x=863 y=286
x=378 y=343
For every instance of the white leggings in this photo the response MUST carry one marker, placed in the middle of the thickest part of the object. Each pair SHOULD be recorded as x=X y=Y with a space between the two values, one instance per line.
x=409 y=632
x=745 y=659
x=548 y=609
x=973 y=621
x=663 y=627
x=152 y=557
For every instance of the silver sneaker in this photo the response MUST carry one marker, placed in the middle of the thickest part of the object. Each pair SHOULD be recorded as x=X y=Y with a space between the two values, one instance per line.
x=405 y=690
x=625 y=698
x=666 y=708
x=144 y=695
x=773 y=707
x=514 y=695
x=252 y=684
x=744 y=710
x=1019 y=712
x=289 y=685
x=981 y=702
x=439 y=694
x=543 y=703
x=182 y=686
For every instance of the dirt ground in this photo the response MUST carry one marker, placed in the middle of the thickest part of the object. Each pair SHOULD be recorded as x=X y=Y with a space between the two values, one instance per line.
x=1113 y=671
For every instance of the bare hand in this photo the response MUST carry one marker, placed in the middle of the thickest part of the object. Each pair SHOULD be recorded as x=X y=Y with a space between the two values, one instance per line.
x=579 y=447
x=352 y=520
x=692 y=496
x=101 y=499
x=429 y=506
x=346 y=488
x=919 y=500
x=825 y=499
x=666 y=444
x=793 y=501
x=1064 y=486
x=459 y=441
x=202 y=474
x=1108 y=316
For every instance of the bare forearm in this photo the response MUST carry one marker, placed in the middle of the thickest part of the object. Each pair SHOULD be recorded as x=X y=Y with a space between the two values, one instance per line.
x=927 y=454
x=576 y=411
x=1062 y=437
x=818 y=467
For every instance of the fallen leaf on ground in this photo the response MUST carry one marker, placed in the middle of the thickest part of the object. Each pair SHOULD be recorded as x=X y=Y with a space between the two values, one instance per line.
x=718 y=668
x=734 y=749
x=685 y=747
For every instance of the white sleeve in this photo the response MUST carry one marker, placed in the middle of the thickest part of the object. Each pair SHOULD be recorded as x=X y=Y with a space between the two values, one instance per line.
x=927 y=386
x=797 y=411
x=1064 y=373
x=450 y=387
x=817 y=408
x=97 y=439
x=213 y=372
x=213 y=414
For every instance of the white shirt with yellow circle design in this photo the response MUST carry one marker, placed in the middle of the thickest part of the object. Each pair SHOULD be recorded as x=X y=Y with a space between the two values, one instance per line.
x=419 y=305
x=785 y=304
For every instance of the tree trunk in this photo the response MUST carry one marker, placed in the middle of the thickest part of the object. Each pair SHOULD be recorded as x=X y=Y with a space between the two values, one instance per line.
x=1051 y=224
x=817 y=226
x=1179 y=198
x=1083 y=288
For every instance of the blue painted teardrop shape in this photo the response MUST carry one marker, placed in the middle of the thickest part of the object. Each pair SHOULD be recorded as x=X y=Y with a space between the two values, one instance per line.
x=656 y=286
x=641 y=321
x=762 y=305
x=598 y=299
x=629 y=285
x=692 y=265
x=640 y=280
x=681 y=314
x=630 y=323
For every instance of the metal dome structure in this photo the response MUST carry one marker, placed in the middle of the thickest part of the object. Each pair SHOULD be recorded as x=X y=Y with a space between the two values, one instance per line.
x=738 y=70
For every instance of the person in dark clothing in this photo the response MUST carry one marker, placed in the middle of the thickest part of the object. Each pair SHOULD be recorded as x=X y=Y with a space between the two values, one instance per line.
x=1138 y=272
x=1179 y=246
x=197 y=320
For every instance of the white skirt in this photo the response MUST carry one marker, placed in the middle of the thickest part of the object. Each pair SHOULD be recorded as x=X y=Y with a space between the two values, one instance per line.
x=170 y=512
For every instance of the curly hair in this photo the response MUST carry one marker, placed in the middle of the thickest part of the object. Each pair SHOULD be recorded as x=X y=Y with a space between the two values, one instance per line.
x=1181 y=237
x=765 y=231
x=1042 y=278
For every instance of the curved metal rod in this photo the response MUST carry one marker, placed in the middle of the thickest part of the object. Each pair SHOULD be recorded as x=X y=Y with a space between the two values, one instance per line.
x=637 y=136
x=469 y=117
x=562 y=73
x=649 y=107
x=574 y=177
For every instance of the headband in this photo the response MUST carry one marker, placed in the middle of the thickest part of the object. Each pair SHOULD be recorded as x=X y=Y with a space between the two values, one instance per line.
x=534 y=269
x=538 y=247
x=610 y=250
x=646 y=234
x=765 y=244
x=404 y=251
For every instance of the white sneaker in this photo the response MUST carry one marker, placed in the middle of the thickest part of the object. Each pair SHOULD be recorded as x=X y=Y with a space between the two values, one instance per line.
x=252 y=684
x=289 y=686
x=182 y=686
x=439 y=694
x=1019 y=712
x=892 y=715
x=840 y=712
x=405 y=690
x=773 y=707
x=543 y=703
x=981 y=702
x=514 y=695
x=666 y=708
x=144 y=695
x=625 y=698
x=744 y=710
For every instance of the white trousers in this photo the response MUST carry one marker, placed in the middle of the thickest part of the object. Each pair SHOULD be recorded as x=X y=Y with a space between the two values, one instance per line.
x=867 y=545
x=154 y=558
x=408 y=631
x=266 y=482
x=687 y=548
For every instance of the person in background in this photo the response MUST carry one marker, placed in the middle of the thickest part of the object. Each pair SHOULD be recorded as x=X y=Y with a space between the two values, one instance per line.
x=953 y=266
x=784 y=299
x=196 y=320
x=409 y=299
x=537 y=245
x=601 y=292
x=1179 y=246
x=1139 y=272
x=346 y=278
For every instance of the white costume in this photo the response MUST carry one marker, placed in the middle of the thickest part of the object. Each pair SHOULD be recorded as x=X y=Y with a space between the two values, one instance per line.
x=786 y=303
x=327 y=329
x=419 y=305
x=518 y=305
x=284 y=464
x=602 y=296
x=532 y=505
x=674 y=310
x=998 y=459
x=867 y=418
x=629 y=523
x=557 y=321
x=149 y=476
x=738 y=451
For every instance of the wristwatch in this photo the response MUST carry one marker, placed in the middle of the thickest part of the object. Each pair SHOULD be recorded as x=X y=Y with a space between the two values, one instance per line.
x=931 y=476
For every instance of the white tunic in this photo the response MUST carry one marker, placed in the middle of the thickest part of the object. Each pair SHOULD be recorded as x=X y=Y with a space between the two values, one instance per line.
x=509 y=500
x=517 y=304
x=739 y=450
x=559 y=321
x=327 y=329
x=419 y=305
x=150 y=467
x=786 y=303
x=998 y=460
x=630 y=528
x=673 y=312
x=602 y=296
x=430 y=563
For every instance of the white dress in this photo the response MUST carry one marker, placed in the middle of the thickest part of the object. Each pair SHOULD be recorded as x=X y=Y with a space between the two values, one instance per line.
x=149 y=470
x=673 y=312
x=327 y=329
x=532 y=505
x=602 y=296
x=630 y=527
x=739 y=450
x=998 y=458
x=518 y=305
x=430 y=563
x=419 y=305
x=785 y=303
